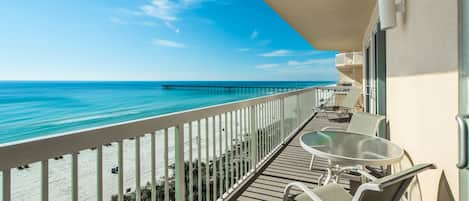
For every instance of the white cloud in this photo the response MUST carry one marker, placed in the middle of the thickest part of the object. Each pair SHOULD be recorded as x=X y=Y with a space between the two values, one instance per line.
x=311 y=65
x=129 y=12
x=276 y=53
x=296 y=53
x=168 y=43
x=149 y=24
x=267 y=66
x=162 y=9
x=264 y=42
x=325 y=61
x=243 y=49
x=254 y=34
x=117 y=20
x=168 y=10
x=172 y=27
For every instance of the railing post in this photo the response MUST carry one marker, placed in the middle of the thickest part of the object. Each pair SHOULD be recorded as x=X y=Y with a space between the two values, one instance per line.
x=282 y=120
x=5 y=186
x=75 y=176
x=253 y=137
x=298 y=110
x=153 y=166
x=99 y=173
x=44 y=180
x=137 y=169
x=179 y=163
x=191 y=175
x=120 y=171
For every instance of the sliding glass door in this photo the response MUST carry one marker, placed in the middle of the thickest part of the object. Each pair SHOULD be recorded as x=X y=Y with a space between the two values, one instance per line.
x=463 y=116
x=367 y=83
x=380 y=77
x=375 y=73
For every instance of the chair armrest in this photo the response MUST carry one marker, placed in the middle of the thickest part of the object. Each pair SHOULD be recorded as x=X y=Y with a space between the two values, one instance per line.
x=358 y=170
x=330 y=128
x=303 y=187
x=366 y=174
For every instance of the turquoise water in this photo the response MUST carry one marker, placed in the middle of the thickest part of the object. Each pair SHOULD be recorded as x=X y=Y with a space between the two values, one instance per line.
x=34 y=109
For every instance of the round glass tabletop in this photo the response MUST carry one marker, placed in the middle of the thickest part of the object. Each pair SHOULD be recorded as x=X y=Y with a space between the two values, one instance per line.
x=351 y=148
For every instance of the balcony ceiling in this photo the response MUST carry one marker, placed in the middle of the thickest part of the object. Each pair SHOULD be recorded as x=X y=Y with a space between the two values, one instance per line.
x=327 y=24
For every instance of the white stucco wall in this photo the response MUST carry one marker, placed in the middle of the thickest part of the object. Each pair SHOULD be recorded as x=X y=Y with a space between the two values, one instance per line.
x=422 y=88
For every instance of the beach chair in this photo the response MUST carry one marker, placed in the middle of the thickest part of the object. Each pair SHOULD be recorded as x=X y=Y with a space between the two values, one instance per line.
x=344 y=106
x=362 y=123
x=389 y=188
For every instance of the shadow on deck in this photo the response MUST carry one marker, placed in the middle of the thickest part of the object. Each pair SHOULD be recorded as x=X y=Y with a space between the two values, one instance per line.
x=291 y=164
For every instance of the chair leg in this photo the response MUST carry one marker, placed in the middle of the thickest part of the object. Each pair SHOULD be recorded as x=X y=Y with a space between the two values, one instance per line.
x=320 y=178
x=329 y=176
x=311 y=164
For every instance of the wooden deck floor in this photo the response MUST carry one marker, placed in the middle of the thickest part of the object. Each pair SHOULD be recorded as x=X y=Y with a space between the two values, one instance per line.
x=290 y=165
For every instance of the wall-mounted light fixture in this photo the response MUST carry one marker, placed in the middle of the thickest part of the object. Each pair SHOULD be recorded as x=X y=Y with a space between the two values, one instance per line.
x=387 y=12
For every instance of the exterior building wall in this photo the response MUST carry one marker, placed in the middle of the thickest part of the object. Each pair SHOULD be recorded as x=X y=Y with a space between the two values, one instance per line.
x=422 y=90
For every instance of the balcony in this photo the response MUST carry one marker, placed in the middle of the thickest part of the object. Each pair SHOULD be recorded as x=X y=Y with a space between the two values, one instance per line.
x=203 y=154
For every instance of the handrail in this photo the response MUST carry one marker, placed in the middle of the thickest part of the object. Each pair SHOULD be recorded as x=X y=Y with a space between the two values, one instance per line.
x=463 y=144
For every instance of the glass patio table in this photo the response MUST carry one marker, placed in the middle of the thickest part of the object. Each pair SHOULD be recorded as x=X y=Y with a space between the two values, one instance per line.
x=347 y=151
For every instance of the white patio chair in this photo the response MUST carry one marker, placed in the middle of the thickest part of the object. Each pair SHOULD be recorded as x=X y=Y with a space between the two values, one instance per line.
x=344 y=106
x=389 y=188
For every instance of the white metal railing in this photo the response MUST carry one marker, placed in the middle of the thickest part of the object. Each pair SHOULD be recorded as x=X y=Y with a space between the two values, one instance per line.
x=218 y=147
x=327 y=96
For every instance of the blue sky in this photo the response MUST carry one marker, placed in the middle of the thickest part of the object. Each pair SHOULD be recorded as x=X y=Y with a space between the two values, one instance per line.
x=154 y=40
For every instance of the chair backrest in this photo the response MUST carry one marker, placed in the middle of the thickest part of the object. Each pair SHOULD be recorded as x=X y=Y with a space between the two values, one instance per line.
x=351 y=99
x=365 y=123
x=390 y=188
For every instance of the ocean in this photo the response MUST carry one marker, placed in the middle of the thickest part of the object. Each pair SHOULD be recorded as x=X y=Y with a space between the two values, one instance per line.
x=30 y=109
